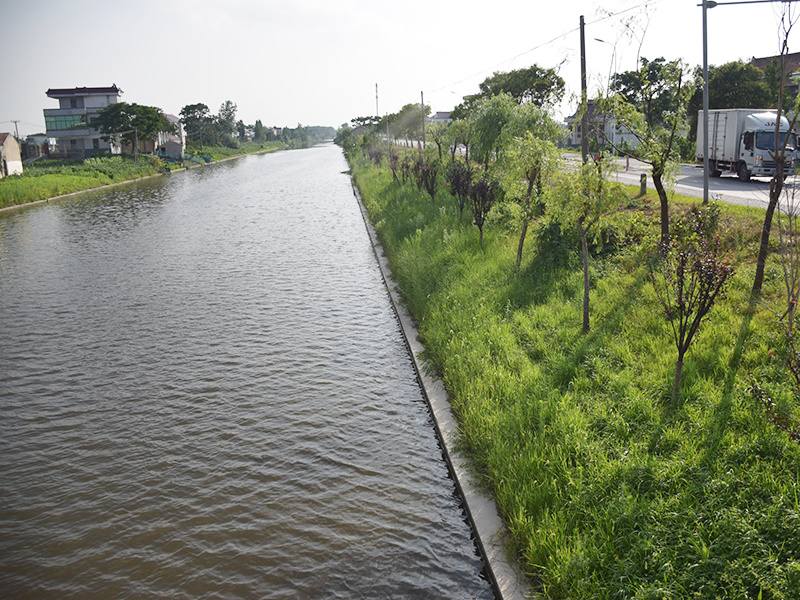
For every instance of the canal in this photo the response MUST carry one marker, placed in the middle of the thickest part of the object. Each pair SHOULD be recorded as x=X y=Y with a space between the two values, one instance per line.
x=204 y=393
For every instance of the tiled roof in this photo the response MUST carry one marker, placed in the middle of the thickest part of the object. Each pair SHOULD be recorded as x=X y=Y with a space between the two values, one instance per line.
x=83 y=91
x=3 y=137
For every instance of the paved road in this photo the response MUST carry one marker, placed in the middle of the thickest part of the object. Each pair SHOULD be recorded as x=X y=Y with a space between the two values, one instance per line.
x=727 y=188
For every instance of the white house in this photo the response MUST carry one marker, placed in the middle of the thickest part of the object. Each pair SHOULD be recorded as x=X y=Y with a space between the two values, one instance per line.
x=172 y=144
x=10 y=157
x=71 y=122
x=603 y=128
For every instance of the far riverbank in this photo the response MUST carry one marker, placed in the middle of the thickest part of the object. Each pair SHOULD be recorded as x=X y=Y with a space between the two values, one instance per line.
x=48 y=180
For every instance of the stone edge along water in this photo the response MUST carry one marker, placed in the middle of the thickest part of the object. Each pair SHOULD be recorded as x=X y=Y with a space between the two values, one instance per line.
x=505 y=577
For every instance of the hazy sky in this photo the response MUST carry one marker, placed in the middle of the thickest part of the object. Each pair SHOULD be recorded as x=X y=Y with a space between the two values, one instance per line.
x=316 y=62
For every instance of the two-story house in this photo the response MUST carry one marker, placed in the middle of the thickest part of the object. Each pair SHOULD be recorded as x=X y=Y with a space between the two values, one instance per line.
x=71 y=122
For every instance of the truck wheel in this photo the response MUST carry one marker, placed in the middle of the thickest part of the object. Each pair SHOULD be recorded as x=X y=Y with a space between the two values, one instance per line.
x=715 y=172
x=744 y=174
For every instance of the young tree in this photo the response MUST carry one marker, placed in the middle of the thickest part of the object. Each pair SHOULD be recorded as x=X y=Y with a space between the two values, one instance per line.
x=483 y=194
x=459 y=179
x=530 y=162
x=487 y=120
x=227 y=118
x=690 y=277
x=258 y=132
x=779 y=155
x=656 y=132
x=460 y=134
x=583 y=198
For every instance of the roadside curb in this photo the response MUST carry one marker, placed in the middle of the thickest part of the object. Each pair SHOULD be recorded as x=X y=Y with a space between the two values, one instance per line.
x=505 y=577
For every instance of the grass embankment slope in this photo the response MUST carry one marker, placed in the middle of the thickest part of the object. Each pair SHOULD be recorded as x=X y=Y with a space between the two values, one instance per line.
x=609 y=489
x=45 y=179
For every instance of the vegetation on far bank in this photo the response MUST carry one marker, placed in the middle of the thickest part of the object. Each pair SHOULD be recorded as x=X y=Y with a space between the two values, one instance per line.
x=609 y=487
x=47 y=178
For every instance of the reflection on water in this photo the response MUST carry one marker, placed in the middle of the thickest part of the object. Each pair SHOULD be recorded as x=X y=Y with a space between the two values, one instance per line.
x=204 y=393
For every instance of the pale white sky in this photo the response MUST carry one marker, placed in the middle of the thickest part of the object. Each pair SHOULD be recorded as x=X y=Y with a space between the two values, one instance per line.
x=316 y=62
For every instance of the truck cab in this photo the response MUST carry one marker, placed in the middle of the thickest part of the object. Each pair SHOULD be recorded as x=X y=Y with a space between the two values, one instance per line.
x=757 y=147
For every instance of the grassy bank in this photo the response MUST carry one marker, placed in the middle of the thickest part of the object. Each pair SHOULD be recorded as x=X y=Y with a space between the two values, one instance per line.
x=44 y=179
x=609 y=489
x=48 y=178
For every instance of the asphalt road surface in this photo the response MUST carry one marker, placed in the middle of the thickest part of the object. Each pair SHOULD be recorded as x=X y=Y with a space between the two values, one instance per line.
x=727 y=188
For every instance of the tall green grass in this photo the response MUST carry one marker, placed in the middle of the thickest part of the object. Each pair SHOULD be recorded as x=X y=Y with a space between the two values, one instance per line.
x=48 y=178
x=608 y=489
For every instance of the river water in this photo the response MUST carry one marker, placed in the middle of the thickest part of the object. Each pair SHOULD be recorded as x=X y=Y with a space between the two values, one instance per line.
x=204 y=393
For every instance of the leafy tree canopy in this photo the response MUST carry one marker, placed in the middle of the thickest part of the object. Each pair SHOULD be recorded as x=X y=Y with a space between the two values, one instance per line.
x=650 y=89
x=542 y=87
x=130 y=120
x=194 y=116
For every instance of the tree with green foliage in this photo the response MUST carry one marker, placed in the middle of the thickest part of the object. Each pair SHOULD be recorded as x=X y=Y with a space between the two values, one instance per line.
x=538 y=86
x=668 y=87
x=690 y=276
x=530 y=162
x=227 y=118
x=131 y=123
x=583 y=198
x=196 y=119
x=488 y=119
x=731 y=85
x=651 y=89
x=460 y=134
x=258 y=132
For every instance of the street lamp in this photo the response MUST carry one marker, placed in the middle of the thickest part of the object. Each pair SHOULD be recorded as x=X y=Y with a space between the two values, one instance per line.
x=614 y=60
x=706 y=5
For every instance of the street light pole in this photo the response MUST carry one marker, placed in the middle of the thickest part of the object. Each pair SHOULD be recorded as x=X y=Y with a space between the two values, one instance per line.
x=706 y=5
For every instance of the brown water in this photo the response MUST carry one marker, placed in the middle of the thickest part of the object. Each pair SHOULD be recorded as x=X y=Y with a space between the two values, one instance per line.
x=204 y=393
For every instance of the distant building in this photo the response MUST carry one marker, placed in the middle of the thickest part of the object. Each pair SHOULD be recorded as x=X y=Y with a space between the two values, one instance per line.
x=791 y=71
x=71 y=123
x=36 y=146
x=603 y=128
x=441 y=117
x=10 y=157
x=172 y=145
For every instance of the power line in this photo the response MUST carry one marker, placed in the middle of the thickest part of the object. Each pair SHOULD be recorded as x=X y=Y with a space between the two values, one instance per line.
x=542 y=45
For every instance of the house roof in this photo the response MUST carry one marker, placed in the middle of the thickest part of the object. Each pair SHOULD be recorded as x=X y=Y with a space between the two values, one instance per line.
x=83 y=91
x=792 y=64
x=3 y=137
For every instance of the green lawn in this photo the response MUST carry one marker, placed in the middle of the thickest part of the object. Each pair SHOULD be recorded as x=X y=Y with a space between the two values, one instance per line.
x=609 y=489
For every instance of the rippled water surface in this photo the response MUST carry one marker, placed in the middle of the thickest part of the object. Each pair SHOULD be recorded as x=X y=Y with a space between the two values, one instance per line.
x=204 y=393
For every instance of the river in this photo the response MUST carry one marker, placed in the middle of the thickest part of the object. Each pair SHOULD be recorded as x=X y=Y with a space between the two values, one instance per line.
x=204 y=393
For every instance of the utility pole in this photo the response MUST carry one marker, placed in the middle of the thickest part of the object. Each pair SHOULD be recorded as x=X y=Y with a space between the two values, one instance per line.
x=422 y=106
x=377 y=112
x=584 y=103
x=16 y=128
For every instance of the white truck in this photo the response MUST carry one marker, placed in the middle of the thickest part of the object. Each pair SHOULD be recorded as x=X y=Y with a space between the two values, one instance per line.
x=741 y=140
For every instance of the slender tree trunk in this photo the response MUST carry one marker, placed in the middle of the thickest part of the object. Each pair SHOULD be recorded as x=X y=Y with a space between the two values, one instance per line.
x=676 y=384
x=522 y=235
x=662 y=196
x=774 y=194
x=585 y=249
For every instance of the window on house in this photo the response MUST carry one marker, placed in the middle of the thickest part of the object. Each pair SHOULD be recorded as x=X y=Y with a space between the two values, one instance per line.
x=73 y=103
x=73 y=144
x=65 y=121
x=96 y=144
